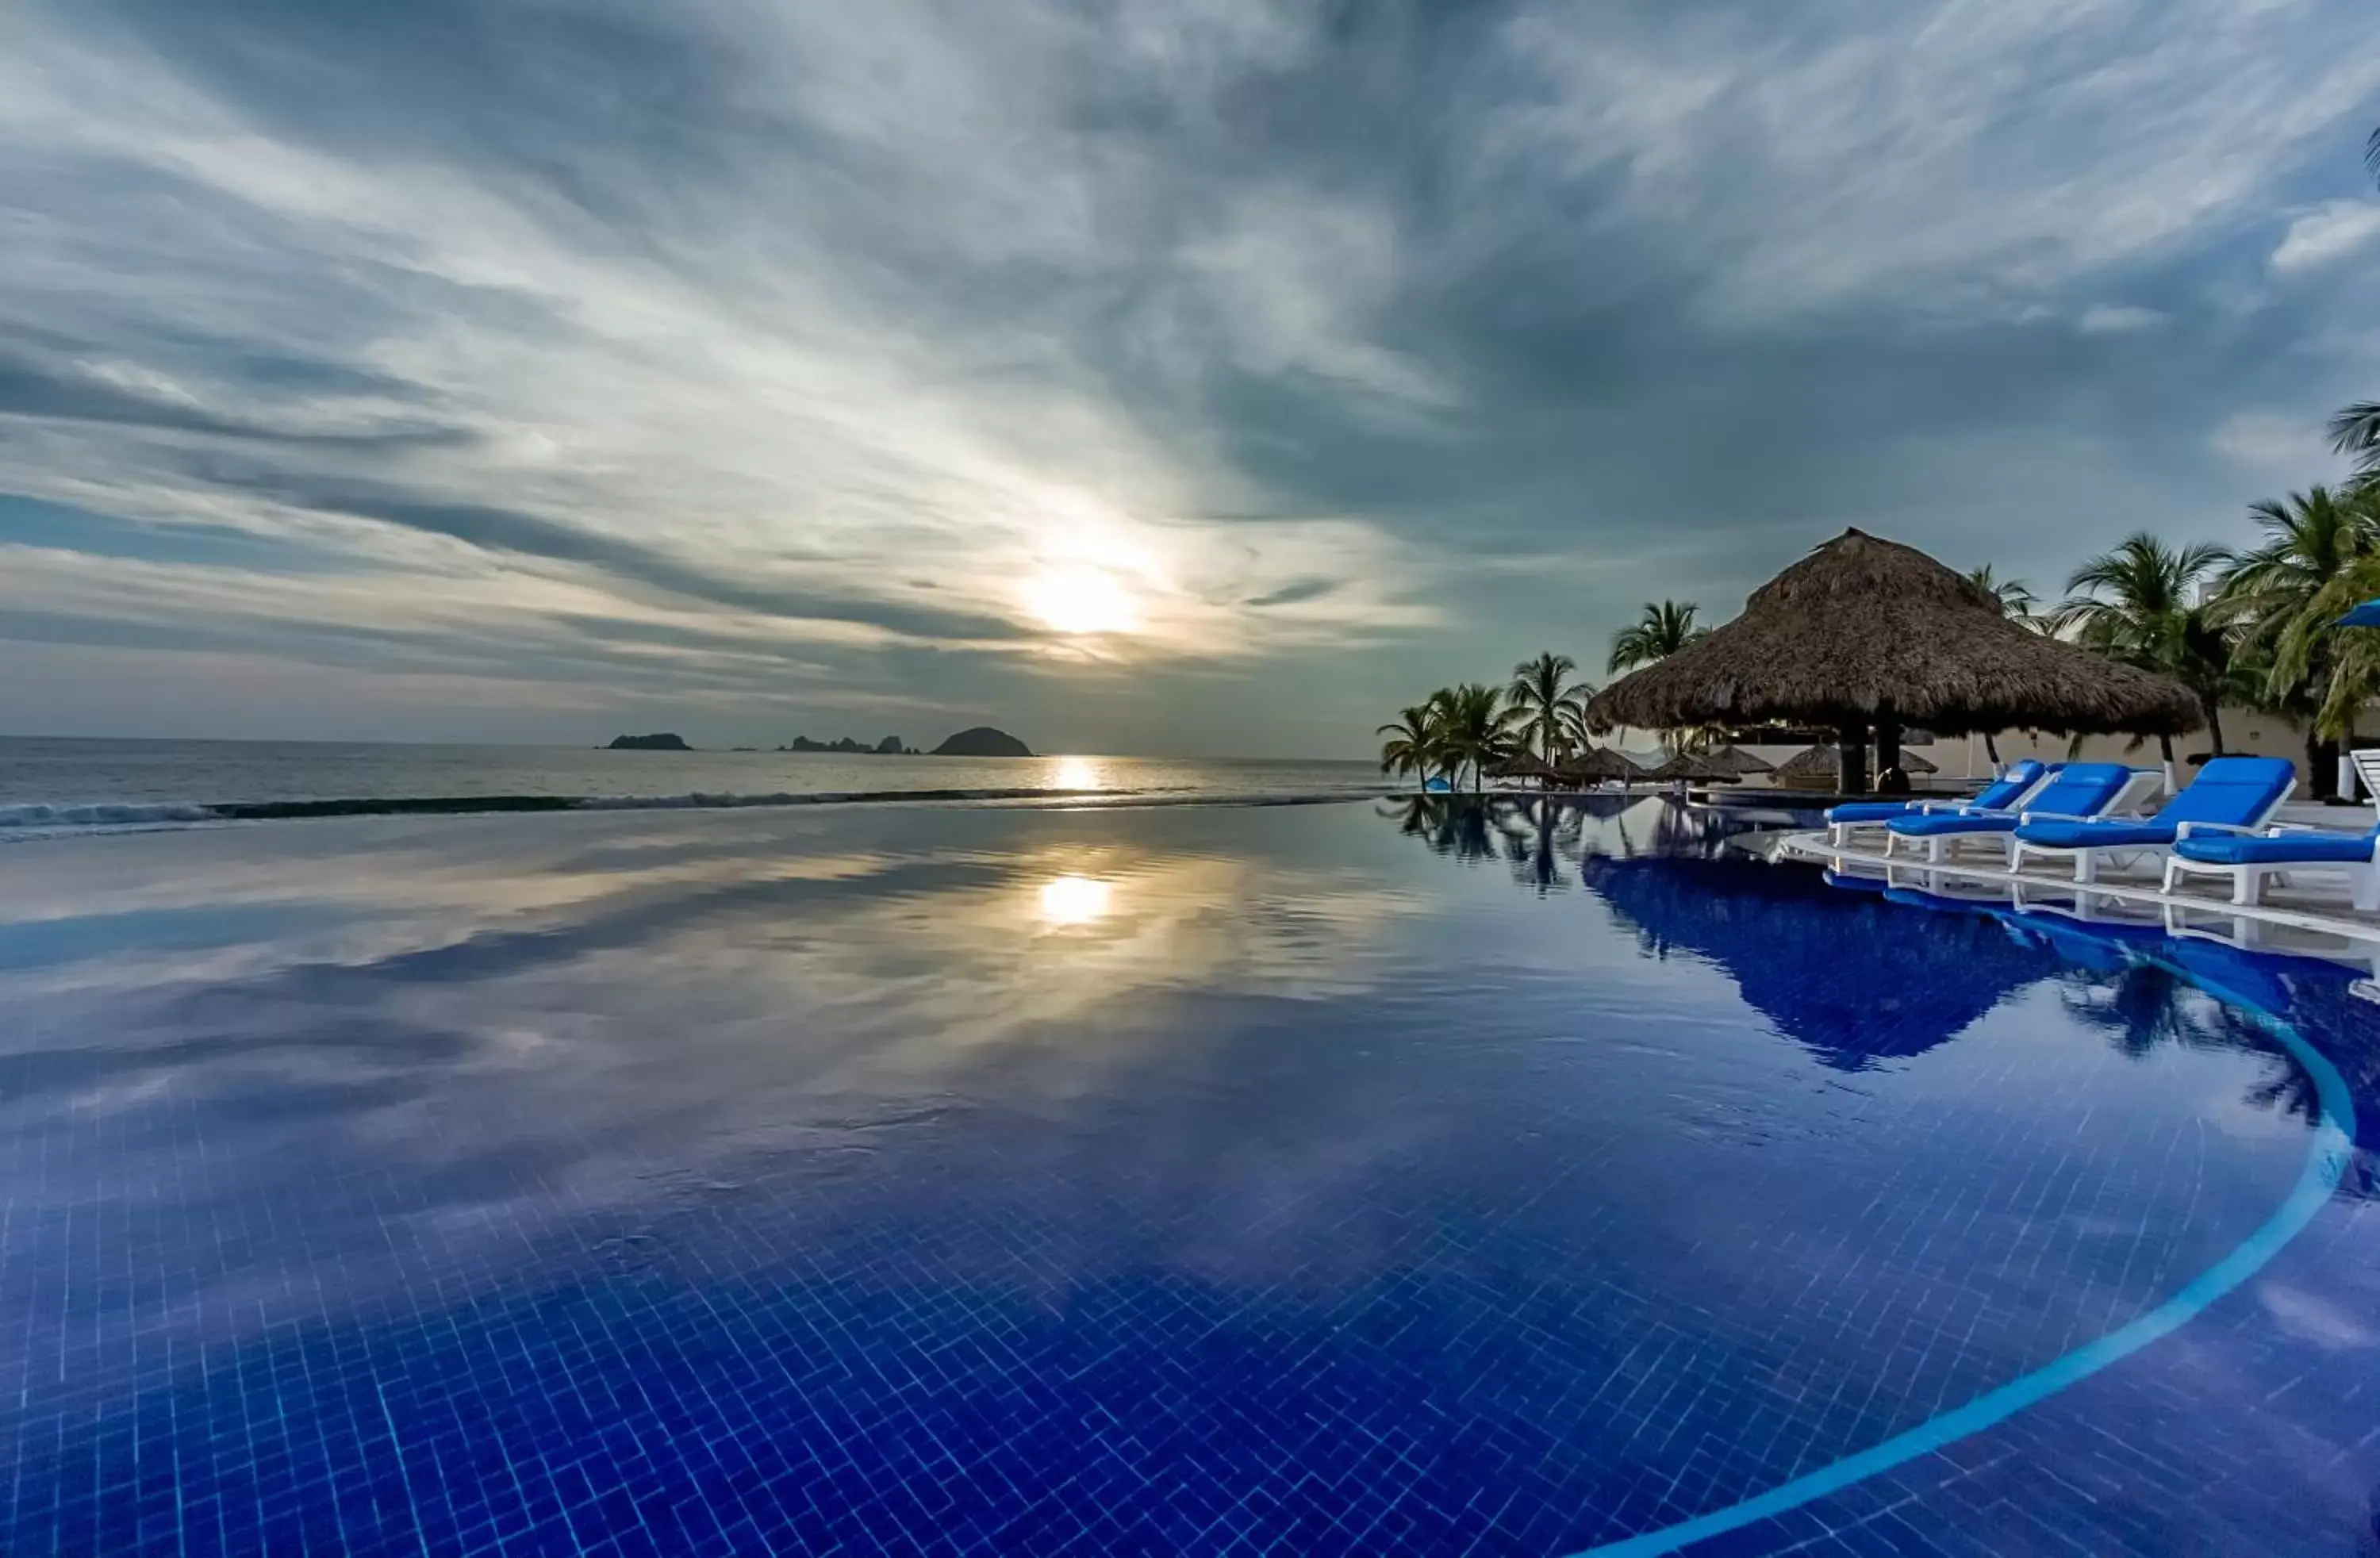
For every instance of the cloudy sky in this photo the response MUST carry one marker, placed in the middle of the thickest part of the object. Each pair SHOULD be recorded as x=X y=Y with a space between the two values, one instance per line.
x=1203 y=377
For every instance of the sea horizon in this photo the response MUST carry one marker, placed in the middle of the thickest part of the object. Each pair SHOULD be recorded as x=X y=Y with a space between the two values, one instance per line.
x=50 y=784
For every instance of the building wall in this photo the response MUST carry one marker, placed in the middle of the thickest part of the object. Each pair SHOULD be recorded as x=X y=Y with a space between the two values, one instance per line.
x=2245 y=732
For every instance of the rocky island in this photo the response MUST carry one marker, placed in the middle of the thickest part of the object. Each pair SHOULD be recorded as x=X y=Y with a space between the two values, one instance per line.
x=983 y=741
x=663 y=741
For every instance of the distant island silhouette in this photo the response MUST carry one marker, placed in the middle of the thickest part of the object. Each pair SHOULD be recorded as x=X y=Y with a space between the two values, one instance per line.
x=983 y=741
x=889 y=747
x=978 y=741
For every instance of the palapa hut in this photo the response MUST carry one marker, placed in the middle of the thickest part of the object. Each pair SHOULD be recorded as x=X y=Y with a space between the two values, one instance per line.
x=1598 y=765
x=1866 y=635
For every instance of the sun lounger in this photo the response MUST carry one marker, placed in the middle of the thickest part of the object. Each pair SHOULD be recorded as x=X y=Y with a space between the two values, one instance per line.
x=2250 y=861
x=2229 y=796
x=2078 y=790
x=2003 y=794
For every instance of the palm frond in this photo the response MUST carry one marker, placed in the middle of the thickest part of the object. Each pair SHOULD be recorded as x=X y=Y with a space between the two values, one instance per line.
x=2355 y=431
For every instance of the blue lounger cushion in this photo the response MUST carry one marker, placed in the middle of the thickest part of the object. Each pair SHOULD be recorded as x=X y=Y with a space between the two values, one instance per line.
x=2000 y=794
x=2081 y=790
x=1933 y=824
x=2239 y=849
x=2097 y=835
x=2229 y=792
x=1870 y=811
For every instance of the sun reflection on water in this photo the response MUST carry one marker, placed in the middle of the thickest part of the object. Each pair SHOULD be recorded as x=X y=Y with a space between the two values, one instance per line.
x=1076 y=773
x=1073 y=900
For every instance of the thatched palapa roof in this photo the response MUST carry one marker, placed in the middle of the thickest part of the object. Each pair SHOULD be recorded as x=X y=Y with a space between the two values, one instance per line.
x=1817 y=762
x=1864 y=627
x=1821 y=762
x=1693 y=765
x=1739 y=762
x=1598 y=764
x=1521 y=765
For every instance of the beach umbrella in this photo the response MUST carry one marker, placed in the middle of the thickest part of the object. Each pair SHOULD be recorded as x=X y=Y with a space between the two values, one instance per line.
x=1866 y=635
x=1601 y=764
x=2365 y=616
x=1911 y=763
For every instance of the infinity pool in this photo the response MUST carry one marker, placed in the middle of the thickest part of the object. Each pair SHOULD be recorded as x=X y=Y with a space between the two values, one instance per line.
x=1324 y=1179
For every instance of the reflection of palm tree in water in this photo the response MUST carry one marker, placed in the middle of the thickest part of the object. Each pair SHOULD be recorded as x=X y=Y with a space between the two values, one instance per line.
x=1449 y=824
x=2145 y=1007
x=1537 y=835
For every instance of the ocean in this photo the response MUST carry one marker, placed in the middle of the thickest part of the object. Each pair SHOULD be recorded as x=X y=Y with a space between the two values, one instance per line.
x=53 y=784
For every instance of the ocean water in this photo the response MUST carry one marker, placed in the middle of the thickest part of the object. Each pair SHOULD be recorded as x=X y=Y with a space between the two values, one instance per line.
x=1360 y=1178
x=51 y=783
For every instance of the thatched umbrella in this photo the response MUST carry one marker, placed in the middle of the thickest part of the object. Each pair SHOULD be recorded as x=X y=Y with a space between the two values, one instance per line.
x=1868 y=633
x=1525 y=765
x=1598 y=764
x=1739 y=762
x=1819 y=768
x=1693 y=766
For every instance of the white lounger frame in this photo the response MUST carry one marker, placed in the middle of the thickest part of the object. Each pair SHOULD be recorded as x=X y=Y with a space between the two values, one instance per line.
x=2248 y=880
x=1839 y=833
x=1938 y=845
x=2087 y=857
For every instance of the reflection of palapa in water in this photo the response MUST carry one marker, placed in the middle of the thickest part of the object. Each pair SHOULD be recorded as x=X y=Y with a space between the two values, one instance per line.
x=1850 y=977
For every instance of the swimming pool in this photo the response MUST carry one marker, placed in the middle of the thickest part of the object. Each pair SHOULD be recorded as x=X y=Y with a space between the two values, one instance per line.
x=1318 y=1179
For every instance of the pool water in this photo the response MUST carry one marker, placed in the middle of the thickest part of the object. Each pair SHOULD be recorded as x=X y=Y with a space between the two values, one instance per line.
x=1329 y=1179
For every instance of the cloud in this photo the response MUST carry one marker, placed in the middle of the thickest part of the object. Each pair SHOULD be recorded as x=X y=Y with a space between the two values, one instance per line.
x=2273 y=441
x=2117 y=320
x=783 y=354
x=2329 y=232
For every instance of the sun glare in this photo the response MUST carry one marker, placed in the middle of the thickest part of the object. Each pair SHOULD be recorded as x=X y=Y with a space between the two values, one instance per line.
x=1082 y=600
x=1072 y=900
x=1075 y=774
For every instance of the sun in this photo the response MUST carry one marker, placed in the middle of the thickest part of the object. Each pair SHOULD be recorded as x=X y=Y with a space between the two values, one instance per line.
x=1081 y=601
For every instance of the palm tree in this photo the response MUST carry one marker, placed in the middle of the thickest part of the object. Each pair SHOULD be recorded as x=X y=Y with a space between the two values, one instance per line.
x=2016 y=596
x=1476 y=730
x=2311 y=539
x=2016 y=600
x=1662 y=631
x=2340 y=669
x=1548 y=706
x=2143 y=603
x=1412 y=744
x=2355 y=431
